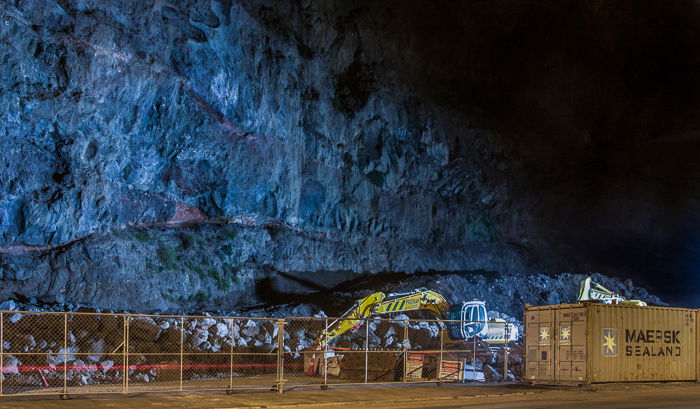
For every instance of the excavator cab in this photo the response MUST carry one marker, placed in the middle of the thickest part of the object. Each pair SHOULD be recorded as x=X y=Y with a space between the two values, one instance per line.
x=472 y=320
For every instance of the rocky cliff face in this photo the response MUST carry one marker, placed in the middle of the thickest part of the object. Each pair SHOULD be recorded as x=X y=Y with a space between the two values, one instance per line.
x=165 y=155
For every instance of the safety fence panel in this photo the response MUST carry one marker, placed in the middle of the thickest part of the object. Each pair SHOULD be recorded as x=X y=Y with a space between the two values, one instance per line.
x=206 y=359
x=424 y=342
x=96 y=353
x=478 y=358
x=154 y=353
x=35 y=353
x=388 y=350
x=348 y=360
x=303 y=357
x=206 y=356
x=255 y=357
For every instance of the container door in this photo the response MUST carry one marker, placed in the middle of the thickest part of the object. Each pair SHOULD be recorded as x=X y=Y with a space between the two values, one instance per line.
x=540 y=345
x=640 y=344
x=570 y=354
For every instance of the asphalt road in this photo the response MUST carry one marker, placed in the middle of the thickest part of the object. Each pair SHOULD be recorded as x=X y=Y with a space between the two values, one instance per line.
x=637 y=396
x=631 y=399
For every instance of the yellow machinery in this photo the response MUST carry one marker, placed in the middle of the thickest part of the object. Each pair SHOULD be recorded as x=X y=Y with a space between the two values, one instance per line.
x=589 y=290
x=465 y=320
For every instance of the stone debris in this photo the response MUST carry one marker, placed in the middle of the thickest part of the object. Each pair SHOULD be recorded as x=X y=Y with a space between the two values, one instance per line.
x=106 y=365
x=11 y=365
x=8 y=305
x=222 y=330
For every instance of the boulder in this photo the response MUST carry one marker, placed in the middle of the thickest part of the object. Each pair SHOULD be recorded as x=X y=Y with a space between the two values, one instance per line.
x=205 y=323
x=251 y=328
x=58 y=358
x=198 y=337
x=143 y=328
x=221 y=329
x=106 y=365
x=79 y=365
x=28 y=342
x=170 y=335
x=8 y=305
x=492 y=374
x=11 y=364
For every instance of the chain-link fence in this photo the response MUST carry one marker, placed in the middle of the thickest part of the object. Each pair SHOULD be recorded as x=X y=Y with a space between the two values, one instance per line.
x=70 y=353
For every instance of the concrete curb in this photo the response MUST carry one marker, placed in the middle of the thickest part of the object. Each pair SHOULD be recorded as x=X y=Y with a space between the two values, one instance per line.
x=380 y=403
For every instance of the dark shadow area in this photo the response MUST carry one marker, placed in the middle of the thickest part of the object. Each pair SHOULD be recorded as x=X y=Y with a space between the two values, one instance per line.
x=597 y=103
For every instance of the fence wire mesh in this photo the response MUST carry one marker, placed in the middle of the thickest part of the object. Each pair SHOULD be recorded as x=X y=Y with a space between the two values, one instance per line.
x=86 y=353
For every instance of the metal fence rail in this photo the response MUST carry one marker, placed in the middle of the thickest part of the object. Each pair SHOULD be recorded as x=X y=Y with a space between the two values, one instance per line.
x=69 y=353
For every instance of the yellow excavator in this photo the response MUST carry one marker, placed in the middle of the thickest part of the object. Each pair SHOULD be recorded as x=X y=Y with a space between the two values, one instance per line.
x=463 y=321
x=591 y=291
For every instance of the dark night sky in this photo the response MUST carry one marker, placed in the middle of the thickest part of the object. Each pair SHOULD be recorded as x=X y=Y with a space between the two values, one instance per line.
x=599 y=102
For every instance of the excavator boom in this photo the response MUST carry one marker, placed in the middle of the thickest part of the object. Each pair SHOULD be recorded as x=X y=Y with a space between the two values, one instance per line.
x=380 y=304
x=420 y=299
x=351 y=319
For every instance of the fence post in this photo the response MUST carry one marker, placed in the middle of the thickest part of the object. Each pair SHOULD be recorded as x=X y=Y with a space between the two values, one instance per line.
x=230 y=381
x=366 y=348
x=182 y=348
x=123 y=346
x=439 y=368
x=2 y=351
x=405 y=350
x=126 y=353
x=325 y=354
x=280 y=355
x=474 y=356
x=505 y=353
x=65 y=354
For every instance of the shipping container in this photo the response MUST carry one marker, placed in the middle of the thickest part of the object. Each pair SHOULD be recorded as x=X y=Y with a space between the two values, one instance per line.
x=576 y=344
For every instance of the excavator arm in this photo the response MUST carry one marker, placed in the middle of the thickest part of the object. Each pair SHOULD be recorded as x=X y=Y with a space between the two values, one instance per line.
x=381 y=304
x=351 y=319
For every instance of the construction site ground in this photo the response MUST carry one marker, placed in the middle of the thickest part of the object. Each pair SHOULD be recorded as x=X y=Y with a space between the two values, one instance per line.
x=632 y=396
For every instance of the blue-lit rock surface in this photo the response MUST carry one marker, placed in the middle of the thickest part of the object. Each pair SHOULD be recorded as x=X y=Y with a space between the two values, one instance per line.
x=172 y=155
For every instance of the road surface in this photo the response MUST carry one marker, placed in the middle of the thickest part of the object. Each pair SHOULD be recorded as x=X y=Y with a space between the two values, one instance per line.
x=635 y=396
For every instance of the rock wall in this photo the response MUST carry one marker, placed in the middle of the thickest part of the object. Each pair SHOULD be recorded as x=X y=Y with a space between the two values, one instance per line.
x=161 y=155
x=158 y=153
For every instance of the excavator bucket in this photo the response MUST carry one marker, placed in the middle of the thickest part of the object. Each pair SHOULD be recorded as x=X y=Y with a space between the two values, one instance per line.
x=589 y=290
